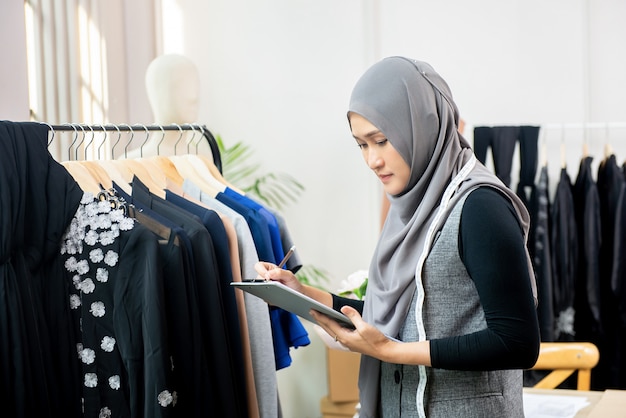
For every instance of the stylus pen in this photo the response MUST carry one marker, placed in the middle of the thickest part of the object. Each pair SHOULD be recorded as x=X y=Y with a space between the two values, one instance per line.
x=287 y=256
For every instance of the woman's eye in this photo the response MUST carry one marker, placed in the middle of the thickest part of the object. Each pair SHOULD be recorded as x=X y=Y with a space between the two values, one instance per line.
x=382 y=141
x=362 y=146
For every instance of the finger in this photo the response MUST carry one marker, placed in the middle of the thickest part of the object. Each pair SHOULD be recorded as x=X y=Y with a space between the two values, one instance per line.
x=323 y=321
x=261 y=267
x=353 y=314
x=274 y=273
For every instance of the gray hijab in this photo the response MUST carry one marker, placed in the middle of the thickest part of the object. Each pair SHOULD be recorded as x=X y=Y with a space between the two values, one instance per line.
x=412 y=105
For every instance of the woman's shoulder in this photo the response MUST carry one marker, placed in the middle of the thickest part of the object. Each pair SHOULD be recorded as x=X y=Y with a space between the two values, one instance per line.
x=490 y=205
x=487 y=199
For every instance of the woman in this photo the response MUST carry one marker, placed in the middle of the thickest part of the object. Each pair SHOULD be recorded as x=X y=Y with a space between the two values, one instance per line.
x=449 y=321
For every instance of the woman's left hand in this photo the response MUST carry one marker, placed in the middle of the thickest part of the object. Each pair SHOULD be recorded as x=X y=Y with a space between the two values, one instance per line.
x=365 y=338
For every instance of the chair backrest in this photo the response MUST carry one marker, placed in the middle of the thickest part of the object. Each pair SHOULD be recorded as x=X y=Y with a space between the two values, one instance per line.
x=565 y=358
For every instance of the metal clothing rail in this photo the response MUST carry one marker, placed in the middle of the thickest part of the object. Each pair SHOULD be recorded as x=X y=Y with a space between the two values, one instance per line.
x=119 y=128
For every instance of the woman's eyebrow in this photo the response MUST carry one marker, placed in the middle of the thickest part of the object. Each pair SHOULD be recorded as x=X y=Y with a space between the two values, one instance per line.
x=369 y=134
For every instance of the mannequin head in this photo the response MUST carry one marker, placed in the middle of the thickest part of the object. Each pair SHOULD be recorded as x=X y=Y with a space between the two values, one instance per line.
x=173 y=87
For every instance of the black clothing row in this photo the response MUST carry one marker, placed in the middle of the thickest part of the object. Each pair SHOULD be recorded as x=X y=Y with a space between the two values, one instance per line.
x=578 y=245
x=583 y=290
x=120 y=305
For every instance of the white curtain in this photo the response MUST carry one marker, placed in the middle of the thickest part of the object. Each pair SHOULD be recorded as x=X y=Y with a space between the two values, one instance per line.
x=86 y=62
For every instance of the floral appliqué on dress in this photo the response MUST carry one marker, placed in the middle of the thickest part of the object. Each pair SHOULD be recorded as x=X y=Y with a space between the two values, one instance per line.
x=96 y=226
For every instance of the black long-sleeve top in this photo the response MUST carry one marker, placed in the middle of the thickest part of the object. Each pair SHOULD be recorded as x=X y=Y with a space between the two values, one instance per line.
x=493 y=251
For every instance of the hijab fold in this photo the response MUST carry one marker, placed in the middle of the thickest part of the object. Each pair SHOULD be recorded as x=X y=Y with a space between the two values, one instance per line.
x=412 y=105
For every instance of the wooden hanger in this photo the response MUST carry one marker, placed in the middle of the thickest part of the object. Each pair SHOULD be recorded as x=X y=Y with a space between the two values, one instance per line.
x=203 y=171
x=82 y=176
x=608 y=149
x=208 y=166
x=208 y=162
x=142 y=174
x=98 y=173
x=116 y=175
x=188 y=172
x=168 y=168
x=205 y=166
x=153 y=171
x=135 y=168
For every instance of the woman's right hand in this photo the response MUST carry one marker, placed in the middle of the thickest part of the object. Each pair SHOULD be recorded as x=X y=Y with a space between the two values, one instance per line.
x=270 y=271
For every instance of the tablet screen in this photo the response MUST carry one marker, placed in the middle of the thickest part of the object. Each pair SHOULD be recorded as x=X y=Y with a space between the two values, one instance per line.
x=277 y=294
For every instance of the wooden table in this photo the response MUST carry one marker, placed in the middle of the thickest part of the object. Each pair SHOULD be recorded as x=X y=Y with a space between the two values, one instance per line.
x=600 y=401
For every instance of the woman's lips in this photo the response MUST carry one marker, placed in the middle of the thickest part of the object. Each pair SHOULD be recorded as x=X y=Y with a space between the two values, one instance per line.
x=384 y=177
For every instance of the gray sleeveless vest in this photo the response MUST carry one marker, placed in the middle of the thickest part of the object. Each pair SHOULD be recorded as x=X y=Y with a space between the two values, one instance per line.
x=451 y=307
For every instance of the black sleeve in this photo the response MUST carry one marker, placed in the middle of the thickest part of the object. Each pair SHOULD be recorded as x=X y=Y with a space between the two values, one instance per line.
x=339 y=301
x=492 y=248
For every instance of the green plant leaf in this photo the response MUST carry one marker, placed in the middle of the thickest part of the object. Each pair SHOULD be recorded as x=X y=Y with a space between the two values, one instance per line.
x=276 y=190
x=313 y=276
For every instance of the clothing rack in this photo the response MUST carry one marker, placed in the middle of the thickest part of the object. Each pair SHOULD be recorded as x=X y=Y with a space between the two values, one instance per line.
x=83 y=129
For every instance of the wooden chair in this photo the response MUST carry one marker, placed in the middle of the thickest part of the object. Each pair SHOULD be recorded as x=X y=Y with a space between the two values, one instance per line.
x=565 y=358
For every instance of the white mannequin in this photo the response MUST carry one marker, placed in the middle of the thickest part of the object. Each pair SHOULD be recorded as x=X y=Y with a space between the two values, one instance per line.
x=173 y=88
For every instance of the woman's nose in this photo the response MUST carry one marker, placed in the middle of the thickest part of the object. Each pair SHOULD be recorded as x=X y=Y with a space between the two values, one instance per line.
x=374 y=160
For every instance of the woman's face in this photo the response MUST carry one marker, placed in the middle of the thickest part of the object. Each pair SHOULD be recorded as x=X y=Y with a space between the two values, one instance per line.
x=380 y=155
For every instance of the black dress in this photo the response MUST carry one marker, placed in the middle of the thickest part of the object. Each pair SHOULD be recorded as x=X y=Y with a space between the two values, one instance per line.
x=38 y=198
x=117 y=299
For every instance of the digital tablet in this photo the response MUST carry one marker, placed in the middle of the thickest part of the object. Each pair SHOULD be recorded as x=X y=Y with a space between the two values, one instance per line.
x=277 y=294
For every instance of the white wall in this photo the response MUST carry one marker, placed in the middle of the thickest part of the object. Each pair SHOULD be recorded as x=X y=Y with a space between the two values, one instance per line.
x=13 y=69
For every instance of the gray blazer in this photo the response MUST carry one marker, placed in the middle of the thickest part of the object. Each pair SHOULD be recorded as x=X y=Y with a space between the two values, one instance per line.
x=451 y=307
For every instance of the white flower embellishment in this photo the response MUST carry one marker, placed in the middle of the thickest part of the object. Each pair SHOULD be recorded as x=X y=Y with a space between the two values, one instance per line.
x=96 y=255
x=82 y=267
x=127 y=224
x=102 y=275
x=114 y=382
x=166 y=398
x=108 y=237
x=87 y=355
x=105 y=413
x=71 y=264
x=91 y=238
x=107 y=344
x=104 y=207
x=87 y=286
x=111 y=258
x=87 y=198
x=117 y=215
x=74 y=301
x=91 y=380
x=97 y=309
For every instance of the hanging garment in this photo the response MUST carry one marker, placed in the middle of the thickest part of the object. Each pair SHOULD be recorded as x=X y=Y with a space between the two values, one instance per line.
x=116 y=295
x=287 y=330
x=528 y=138
x=272 y=223
x=190 y=364
x=564 y=257
x=539 y=243
x=587 y=321
x=215 y=226
x=502 y=140
x=618 y=276
x=39 y=375
x=260 y=330
x=610 y=182
x=221 y=334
